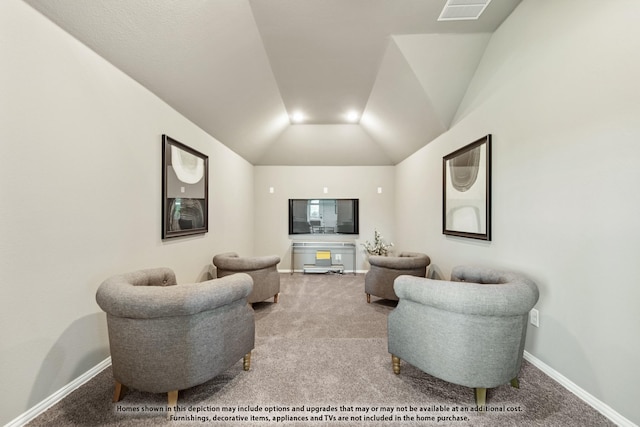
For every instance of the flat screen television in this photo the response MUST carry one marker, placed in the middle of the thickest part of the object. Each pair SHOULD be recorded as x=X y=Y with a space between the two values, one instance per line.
x=323 y=216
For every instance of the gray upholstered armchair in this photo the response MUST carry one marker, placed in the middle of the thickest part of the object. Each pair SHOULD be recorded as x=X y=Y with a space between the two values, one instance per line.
x=166 y=337
x=384 y=269
x=468 y=331
x=262 y=269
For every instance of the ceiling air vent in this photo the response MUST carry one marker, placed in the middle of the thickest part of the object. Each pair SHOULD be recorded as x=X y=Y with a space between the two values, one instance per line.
x=461 y=10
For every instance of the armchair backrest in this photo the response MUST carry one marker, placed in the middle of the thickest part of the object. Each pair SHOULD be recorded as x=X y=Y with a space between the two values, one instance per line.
x=404 y=261
x=473 y=291
x=232 y=262
x=154 y=293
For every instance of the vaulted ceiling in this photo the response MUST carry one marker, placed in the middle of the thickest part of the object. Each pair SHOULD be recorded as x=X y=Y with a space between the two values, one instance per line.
x=240 y=69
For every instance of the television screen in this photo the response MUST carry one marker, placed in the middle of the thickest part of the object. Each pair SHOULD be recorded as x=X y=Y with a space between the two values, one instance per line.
x=323 y=216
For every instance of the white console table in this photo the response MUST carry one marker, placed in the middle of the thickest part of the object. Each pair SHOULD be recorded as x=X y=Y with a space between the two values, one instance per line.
x=298 y=247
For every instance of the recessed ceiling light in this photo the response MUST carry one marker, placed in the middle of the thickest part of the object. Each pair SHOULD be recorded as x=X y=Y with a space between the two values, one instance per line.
x=297 y=117
x=352 y=116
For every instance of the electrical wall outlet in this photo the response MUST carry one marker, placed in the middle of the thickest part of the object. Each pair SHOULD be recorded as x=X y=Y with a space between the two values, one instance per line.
x=338 y=257
x=534 y=317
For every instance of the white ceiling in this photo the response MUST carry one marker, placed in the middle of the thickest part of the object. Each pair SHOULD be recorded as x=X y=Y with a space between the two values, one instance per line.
x=240 y=68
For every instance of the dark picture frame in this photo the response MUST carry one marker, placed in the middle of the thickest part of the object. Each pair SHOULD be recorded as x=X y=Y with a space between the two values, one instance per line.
x=185 y=190
x=466 y=191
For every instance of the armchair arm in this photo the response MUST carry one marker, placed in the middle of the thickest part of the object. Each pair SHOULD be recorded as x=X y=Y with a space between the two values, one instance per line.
x=231 y=261
x=506 y=299
x=119 y=297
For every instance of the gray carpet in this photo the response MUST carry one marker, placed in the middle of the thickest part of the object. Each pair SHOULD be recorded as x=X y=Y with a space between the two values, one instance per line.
x=321 y=352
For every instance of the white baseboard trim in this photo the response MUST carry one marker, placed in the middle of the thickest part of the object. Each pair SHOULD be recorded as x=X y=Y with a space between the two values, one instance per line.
x=592 y=401
x=56 y=397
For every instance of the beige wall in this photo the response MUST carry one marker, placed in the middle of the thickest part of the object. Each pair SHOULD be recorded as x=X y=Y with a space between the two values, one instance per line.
x=302 y=182
x=80 y=191
x=558 y=90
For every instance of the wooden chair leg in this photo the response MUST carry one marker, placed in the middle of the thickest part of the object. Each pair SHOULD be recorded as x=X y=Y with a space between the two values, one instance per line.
x=368 y=298
x=481 y=398
x=395 y=362
x=275 y=298
x=172 y=402
x=118 y=391
x=246 y=361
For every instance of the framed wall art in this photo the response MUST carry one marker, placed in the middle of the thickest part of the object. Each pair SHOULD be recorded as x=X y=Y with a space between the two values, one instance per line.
x=185 y=189
x=466 y=191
